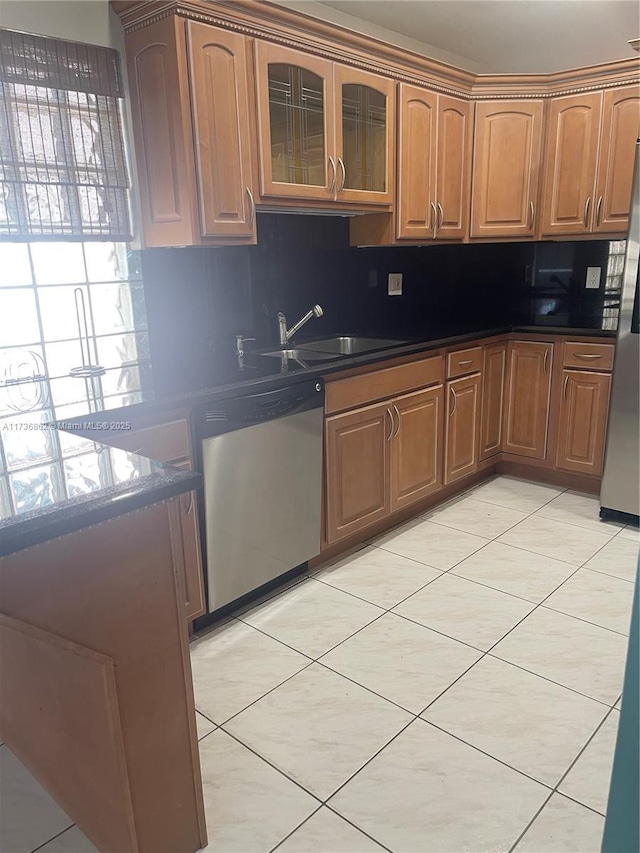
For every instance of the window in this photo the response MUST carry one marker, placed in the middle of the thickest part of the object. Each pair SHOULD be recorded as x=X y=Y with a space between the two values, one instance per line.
x=62 y=159
x=613 y=284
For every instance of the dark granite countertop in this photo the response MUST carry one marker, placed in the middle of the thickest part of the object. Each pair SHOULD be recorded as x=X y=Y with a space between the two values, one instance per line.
x=100 y=483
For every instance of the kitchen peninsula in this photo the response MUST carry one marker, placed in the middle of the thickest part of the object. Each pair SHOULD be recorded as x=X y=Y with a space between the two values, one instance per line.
x=94 y=662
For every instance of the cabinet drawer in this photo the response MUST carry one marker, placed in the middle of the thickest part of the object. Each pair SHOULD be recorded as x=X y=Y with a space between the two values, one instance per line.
x=588 y=356
x=162 y=443
x=464 y=361
x=380 y=384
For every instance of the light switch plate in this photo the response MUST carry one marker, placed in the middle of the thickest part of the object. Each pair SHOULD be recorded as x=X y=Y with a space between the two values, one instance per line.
x=593 y=278
x=395 y=284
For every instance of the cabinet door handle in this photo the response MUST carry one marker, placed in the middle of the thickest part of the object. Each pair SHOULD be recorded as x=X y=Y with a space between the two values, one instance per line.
x=252 y=208
x=344 y=174
x=532 y=216
x=587 y=355
x=190 y=507
x=564 y=386
x=389 y=437
x=466 y=361
x=397 y=411
x=455 y=402
x=598 y=212
x=434 y=219
x=334 y=174
x=441 y=216
x=546 y=359
x=586 y=210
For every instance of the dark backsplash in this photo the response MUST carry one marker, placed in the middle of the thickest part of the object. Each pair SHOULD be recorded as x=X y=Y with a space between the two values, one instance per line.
x=198 y=299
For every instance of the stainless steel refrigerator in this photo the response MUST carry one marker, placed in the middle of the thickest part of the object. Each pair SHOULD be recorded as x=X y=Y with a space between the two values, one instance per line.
x=620 y=493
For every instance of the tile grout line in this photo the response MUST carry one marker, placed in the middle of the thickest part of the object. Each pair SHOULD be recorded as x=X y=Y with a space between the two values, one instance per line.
x=295 y=829
x=53 y=837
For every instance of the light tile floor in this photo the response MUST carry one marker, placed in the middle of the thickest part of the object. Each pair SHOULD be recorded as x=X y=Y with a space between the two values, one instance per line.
x=452 y=686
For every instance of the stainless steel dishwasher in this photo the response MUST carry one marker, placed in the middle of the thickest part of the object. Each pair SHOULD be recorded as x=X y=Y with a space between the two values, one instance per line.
x=262 y=466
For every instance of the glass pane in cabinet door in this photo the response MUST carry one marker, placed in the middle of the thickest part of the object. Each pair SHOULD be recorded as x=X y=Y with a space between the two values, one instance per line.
x=364 y=135
x=296 y=119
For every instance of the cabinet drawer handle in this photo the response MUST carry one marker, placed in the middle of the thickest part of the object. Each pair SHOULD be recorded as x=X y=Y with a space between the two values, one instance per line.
x=598 y=212
x=455 y=402
x=441 y=216
x=389 y=437
x=397 y=411
x=334 y=174
x=434 y=219
x=546 y=359
x=587 y=355
x=564 y=386
x=344 y=174
x=586 y=210
x=252 y=208
x=466 y=361
x=532 y=211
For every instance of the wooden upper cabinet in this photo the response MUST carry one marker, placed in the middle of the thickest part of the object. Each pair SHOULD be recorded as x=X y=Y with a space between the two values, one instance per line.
x=461 y=433
x=220 y=106
x=583 y=421
x=526 y=416
x=620 y=130
x=296 y=123
x=357 y=470
x=365 y=136
x=416 y=447
x=433 y=165
x=195 y=179
x=493 y=376
x=506 y=158
x=571 y=162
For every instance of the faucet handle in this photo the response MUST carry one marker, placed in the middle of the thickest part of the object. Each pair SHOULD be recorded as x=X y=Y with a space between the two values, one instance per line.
x=240 y=342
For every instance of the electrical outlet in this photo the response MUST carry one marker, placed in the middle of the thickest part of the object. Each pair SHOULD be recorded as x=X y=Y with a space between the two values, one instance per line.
x=593 y=278
x=395 y=284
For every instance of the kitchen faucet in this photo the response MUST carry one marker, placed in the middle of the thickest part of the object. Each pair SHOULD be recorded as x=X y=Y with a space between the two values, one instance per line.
x=287 y=334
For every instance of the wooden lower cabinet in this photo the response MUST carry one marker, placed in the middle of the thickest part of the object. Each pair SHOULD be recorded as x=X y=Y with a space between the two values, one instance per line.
x=461 y=453
x=582 y=423
x=416 y=447
x=495 y=362
x=357 y=469
x=526 y=417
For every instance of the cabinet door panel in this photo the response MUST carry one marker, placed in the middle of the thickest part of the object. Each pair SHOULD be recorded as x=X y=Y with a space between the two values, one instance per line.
x=220 y=105
x=495 y=361
x=572 y=151
x=461 y=453
x=507 y=153
x=452 y=184
x=357 y=470
x=295 y=123
x=417 y=214
x=583 y=421
x=416 y=449
x=192 y=551
x=365 y=136
x=620 y=130
x=527 y=412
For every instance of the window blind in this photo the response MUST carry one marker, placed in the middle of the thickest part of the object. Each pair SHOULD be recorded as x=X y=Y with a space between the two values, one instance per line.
x=63 y=171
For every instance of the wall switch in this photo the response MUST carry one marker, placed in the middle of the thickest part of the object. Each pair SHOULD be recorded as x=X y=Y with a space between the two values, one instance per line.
x=593 y=278
x=395 y=284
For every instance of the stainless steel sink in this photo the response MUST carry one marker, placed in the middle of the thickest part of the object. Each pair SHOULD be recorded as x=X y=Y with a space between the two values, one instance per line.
x=299 y=354
x=350 y=345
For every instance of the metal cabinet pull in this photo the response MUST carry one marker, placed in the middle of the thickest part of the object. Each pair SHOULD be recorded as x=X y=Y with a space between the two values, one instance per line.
x=587 y=355
x=546 y=359
x=441 y=216
x=190 y=507
x=252 y=208
x=564 y=386
x=586 y=210
x=434 y=219
x=344 y=174
x=334 y=174
x=466 y=361
x=389 y=437
x=598 y=212
x=532 y=211
x=397 y=411
x=455 y=402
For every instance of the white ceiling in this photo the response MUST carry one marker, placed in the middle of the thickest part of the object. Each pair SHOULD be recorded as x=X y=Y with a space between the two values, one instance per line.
x=492 y=36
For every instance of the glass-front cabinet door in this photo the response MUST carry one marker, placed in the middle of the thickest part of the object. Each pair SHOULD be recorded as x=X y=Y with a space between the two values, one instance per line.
x=365 y=134
x=295 y=123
